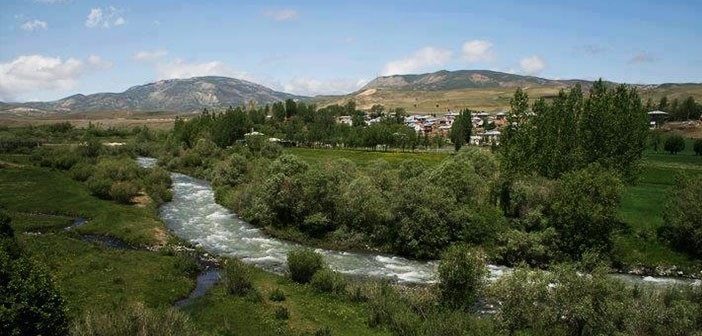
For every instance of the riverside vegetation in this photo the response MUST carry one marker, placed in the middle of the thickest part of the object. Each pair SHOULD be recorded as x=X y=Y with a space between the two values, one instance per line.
x=464 y=209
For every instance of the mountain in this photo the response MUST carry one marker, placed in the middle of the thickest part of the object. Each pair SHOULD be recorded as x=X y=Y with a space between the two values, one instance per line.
x=173 y=95
x=461 y=79
x=487 y=90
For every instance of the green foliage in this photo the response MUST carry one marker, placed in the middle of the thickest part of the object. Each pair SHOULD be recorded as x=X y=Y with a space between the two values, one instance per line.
x=461 y=274
x=30 y=303
x=328 y=281
x=566 y=302
x=230 y=171
x=584 y=210
x=303 y=264
x=99 y=186
x=683 y=215
x=674 y=144
x=277 y=295
x=237 y=278
x=123 y=191
x=608 y=127
x=461 y=129
x=135 y=320
x=698 y=147
x=282 y=313
x=81 y=171
x=6 y=230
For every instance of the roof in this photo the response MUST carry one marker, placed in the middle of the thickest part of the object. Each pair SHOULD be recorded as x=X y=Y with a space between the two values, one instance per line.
x=657 y=112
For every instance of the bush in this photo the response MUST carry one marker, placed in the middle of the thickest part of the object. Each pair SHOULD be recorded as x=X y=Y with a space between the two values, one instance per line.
x=271 y=150
x=6 y=230
x=303 y=264
x=328 y=281
x=282 y=313
x=461 y=275
x=123 y=191
x=99 y=186
x=30 y=303
x=698 y=147
x=674 y=144
x=81 y=171
x=277 y=295
x=135 y=320
x=683 y=215
x=237 y=277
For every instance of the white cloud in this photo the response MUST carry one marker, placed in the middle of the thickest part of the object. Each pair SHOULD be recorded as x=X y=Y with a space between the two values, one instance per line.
x=532 y=65
x=285 y=14
x=182 y=69
x=478 y=51
x=420 y=59
x=312 y=87
x=104 y=18
x=150 y=55
x=98 y=63
x=29 y=73
x=34 y=25
x=642 y=57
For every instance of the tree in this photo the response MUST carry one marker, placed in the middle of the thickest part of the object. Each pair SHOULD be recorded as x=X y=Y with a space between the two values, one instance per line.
x=698 y=147
x=517 y=143
x=461 y=274
x=584 y=209
x=683 y=215
x=674 y=144
x=663 y=104
x=461 y=129
x=656 y=139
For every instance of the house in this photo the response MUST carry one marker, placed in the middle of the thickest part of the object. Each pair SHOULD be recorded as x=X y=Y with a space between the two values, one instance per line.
x=656 y=118
x=346 y=120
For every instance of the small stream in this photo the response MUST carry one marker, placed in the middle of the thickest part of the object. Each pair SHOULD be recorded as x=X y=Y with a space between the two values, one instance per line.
x=194 y=216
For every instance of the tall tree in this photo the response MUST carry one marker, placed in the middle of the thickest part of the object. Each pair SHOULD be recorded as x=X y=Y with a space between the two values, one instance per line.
x=461 y=129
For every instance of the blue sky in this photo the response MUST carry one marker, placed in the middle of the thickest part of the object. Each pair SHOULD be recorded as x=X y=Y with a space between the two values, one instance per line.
x=53 y=48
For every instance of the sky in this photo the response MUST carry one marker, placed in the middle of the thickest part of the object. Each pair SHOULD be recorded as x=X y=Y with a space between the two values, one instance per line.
x=50 y=49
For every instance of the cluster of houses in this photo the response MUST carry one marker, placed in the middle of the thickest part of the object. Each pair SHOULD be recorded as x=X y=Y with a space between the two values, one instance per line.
x=486 y=126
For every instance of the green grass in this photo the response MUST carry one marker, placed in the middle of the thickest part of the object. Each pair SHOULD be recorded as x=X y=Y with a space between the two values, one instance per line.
x=96 y=278
x=309 y=311
x=31 y=190
x=363 y=157
x=642 y=209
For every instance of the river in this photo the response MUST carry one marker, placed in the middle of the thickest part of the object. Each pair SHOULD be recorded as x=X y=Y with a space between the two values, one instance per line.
x=194 y=215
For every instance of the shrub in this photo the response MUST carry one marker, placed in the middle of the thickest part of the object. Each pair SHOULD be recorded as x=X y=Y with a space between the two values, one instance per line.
x=123 y=191
x=136 y=320
x=461 y=274
x=698 y=147
x=271 y=150
x=6 y=230
x=316 y=224
x=328 y=281
x=674 y=144
x=303 y=264
x=230 y=171
x=237 y=277
x=81 y=171
x=277 y=295
x=99 y=186
x=30 y=303
x=323 y=331
x=683 y=215
x=281 y=313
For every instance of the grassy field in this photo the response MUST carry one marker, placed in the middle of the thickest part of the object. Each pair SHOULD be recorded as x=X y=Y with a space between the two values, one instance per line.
x=309 y=311
x=643 y=204
x=362 y=158
x=42 y=203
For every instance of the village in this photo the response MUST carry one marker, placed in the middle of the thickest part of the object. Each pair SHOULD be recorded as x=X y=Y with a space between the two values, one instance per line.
x=486 y=126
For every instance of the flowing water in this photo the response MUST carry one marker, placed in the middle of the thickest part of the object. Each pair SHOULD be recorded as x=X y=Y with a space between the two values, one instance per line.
x=194 y=215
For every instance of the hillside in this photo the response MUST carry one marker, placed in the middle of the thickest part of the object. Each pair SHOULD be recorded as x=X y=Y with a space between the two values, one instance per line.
x=173 y=95
x=477 y=89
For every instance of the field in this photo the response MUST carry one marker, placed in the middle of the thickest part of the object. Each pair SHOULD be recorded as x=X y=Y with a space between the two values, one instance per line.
x=97 y=278
x=643 y=204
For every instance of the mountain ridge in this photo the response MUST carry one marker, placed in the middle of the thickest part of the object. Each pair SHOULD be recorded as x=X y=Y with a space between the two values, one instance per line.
x=173 y=95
